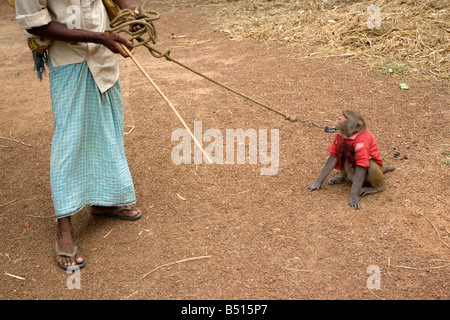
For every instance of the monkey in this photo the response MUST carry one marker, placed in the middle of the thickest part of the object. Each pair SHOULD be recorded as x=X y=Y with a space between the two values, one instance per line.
x=356 y=154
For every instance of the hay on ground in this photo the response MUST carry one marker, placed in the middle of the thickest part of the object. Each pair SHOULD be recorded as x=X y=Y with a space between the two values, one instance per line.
x=407 y=35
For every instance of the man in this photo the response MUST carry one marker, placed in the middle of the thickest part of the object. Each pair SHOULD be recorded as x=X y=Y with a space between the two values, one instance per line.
x=88 y=165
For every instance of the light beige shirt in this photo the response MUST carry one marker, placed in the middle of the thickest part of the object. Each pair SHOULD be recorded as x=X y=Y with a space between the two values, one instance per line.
x=80 y=14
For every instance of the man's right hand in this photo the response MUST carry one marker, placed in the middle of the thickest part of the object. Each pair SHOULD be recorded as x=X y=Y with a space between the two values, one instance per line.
x=113 y=41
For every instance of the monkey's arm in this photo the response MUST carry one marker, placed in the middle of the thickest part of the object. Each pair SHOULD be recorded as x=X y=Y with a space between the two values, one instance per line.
x=358 y=180
x=329 y=166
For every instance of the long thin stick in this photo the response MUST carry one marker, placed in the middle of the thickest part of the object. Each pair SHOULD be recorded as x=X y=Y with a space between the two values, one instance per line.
x=14 y=276
x=8 y=203
x=172 y=263
x=425 y=268
x=167 y=101
x=435 y=229
x=299 y=270
x=14 y=140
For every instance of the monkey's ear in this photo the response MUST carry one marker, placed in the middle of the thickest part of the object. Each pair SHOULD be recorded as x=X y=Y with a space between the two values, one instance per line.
x=347 y=129
x=359 y=126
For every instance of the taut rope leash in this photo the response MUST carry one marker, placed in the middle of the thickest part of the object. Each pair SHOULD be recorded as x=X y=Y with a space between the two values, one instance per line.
x=147 y=34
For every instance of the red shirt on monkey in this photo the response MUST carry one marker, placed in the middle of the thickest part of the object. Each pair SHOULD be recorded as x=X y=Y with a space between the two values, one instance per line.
x=357 y=149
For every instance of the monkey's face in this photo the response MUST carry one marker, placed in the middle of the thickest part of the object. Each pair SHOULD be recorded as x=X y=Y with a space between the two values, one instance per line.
x=341 y=122
x=349 y=123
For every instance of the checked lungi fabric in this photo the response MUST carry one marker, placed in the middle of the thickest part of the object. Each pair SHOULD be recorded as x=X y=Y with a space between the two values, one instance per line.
x=88 y=165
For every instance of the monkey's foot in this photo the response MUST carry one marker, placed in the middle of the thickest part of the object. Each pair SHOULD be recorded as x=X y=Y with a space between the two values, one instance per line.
x=369 y=190
x=315 y=186
x=337 y=180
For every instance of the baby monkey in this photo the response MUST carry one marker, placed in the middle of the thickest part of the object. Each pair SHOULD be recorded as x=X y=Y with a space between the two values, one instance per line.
x=356 y=154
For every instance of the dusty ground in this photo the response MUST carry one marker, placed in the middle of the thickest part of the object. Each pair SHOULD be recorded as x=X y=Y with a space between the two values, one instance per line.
x=252 y=236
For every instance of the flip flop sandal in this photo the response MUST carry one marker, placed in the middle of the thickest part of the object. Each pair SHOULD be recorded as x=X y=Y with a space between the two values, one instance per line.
x=71 y=255
x=115 y=213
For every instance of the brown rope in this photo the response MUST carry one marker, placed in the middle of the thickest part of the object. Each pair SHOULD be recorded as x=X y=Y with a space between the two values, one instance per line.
x=146 y=35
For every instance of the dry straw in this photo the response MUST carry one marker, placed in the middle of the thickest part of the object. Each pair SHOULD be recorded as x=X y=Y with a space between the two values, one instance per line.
x=410 y=35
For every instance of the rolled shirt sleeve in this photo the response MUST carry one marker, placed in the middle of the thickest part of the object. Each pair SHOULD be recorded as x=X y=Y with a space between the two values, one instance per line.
x=32 y=13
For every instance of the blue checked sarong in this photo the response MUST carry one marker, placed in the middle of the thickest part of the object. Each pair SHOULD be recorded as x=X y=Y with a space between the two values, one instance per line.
x=88 y=165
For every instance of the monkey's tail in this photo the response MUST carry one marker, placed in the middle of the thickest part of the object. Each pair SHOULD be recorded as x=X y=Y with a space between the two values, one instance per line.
x=388 y=168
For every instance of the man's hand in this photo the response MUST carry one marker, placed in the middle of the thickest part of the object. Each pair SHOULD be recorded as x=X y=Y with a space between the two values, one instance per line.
x=137 y=11
x=113 y=42
x=128 y=4
x=135 y=8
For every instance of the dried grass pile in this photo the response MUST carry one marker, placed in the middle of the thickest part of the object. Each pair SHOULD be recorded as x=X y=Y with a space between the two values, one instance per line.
x=407 y=35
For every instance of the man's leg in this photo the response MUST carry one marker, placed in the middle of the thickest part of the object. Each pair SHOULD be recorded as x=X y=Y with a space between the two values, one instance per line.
x=66 y=243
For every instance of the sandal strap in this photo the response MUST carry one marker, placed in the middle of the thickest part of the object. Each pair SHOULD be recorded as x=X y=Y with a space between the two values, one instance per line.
x=66 y=254
x=118 y=209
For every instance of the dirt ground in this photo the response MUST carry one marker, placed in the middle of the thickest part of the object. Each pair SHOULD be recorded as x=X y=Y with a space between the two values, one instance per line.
x=224 y=231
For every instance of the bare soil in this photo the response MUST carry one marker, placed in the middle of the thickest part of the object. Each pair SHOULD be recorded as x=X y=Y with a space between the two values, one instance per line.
x=224 y=231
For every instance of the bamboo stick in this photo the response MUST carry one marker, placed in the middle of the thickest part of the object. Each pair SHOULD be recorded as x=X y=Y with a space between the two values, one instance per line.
x=167 y=101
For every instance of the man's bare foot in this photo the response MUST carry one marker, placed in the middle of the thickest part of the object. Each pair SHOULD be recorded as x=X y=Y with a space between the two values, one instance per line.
x=128 y=212
x=66 y=244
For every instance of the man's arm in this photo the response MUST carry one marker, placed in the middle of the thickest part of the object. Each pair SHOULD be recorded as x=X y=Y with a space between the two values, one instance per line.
x=59 y=31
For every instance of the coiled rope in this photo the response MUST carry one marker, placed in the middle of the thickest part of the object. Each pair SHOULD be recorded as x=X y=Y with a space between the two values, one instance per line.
x=146 y=35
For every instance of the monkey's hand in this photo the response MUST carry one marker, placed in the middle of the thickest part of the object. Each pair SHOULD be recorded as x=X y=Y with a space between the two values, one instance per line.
x=329 y=166
x=315 y=186
x=354 y=202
